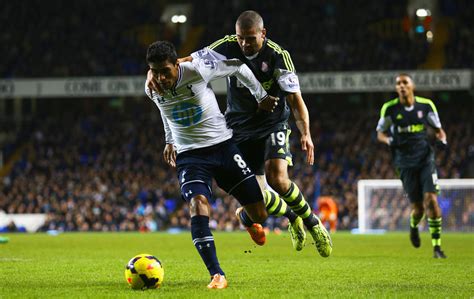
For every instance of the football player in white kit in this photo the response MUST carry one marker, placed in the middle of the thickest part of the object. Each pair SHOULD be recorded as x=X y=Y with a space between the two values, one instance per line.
x=195 y=126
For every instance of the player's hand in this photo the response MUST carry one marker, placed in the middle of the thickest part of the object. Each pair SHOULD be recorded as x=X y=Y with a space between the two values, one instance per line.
x=185 y=59
x=268 y=103
x=308 y=147
x=169 y=154
x=441 y=144
x=393 y=143
x=152 y=83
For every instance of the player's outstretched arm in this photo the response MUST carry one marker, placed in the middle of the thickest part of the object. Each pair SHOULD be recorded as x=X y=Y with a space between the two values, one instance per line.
x=214 y=69
x=301 y=115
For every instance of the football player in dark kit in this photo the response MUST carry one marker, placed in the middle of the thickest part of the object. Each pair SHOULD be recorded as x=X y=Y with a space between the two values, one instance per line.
x=403 y=126
x=263 y=137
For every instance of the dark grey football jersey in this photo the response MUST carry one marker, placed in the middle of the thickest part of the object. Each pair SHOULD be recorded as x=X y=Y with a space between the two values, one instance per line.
x=408 y=127
x=274 y=69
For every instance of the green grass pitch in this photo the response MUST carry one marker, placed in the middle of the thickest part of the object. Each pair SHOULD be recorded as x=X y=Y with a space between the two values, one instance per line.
x=92 y=265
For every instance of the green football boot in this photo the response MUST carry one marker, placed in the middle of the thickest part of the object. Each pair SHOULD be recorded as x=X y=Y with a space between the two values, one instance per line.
x=297 y=234
x=322 y=239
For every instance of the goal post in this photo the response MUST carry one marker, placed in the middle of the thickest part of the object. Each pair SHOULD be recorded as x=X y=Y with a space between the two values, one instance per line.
x=383 y=205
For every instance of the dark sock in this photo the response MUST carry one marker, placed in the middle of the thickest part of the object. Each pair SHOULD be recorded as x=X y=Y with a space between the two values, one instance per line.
x=245 y=219
x=204 y=242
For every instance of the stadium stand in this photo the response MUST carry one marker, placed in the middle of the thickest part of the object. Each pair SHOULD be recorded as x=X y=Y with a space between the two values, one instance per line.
x=368 y=35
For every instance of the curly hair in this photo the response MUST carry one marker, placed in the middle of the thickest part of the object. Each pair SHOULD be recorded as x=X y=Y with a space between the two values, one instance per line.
x=160 y=51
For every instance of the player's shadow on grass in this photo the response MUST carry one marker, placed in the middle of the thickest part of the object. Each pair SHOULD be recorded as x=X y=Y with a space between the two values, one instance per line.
x=185 y=284
x=69 y=284
x=103 y=284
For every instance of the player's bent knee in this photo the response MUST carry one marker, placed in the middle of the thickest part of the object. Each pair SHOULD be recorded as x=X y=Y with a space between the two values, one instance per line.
x=199 y=205
x=418 y=208
x=430 y=200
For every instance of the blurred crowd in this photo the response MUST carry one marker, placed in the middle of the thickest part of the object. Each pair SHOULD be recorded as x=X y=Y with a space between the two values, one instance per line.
x=389 y=209
x=103 y=171
x=95 y=38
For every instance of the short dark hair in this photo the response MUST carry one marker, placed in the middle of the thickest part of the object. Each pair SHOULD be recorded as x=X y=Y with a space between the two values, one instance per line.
x=160 y=51
x=405 y=75
x=249 y=19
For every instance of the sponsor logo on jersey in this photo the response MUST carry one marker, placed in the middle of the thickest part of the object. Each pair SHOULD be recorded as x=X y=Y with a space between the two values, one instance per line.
x=187 y=114
x=267 y=85
x=411 y=129
x=420 y=114
x=399 y=116
x=264 y=67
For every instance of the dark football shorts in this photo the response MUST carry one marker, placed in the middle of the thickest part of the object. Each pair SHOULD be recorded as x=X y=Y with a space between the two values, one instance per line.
x=274 y=146
x=223 y=162
x=419 y=180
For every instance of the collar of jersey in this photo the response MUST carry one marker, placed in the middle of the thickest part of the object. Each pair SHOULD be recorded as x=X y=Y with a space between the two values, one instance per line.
x=259 y=51
x=252 y=56
x=180 y=77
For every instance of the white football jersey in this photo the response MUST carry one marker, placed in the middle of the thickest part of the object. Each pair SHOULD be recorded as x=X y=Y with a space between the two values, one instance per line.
x=190 y=113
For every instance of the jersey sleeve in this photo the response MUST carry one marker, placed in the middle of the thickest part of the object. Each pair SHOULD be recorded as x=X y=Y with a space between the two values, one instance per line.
x=283 y=60
x=384 y=124
x=148 y=92
x=155 y=98
x=285 y=71
x=288 y=81
x=168 y=135
x=214 y=69
x=207 y=53
x=385 y=121
x=221 y=45
x=432 y=116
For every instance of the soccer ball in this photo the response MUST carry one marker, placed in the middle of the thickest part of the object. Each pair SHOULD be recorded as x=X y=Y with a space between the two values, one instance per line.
x=144 y=271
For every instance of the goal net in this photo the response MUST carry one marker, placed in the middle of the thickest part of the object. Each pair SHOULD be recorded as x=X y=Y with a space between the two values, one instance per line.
x=383 y=206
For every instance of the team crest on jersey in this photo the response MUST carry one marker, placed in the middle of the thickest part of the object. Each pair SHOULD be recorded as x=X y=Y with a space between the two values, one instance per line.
x=420 y=114
x=264 y=67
